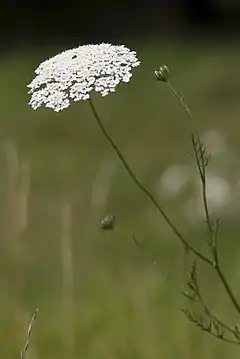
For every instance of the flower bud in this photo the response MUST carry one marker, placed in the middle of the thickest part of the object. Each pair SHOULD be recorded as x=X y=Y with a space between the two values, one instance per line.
x=162 y=74
x=107 y=223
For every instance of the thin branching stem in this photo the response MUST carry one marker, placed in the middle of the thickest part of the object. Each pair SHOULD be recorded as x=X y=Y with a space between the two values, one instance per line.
x=196 y=295
x=200 y=157
x=214 y=246
x=143 y=188
x=23 y=352
x=202 y=163
x=213 y=232
x=181 y=100
x=208 y=330
x=227 y=288
x=208 y=218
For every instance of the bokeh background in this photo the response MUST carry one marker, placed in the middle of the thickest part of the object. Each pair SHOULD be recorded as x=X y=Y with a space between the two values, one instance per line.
x=99 y=295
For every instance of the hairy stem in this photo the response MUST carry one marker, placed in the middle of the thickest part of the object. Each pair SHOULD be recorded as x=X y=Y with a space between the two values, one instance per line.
x=142 y=187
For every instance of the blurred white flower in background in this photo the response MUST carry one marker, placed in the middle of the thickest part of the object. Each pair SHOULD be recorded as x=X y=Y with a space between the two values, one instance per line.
x=215 y=142
x=219 y=195
x=223 y=188
x=174 y=180
x=218 y=192
x=73 y=74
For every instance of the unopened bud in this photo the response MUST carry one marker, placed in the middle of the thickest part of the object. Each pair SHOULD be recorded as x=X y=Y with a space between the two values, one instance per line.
x=107 y=223
x=162 y=74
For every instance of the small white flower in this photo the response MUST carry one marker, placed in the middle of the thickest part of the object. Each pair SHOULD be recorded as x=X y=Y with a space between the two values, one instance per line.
x=73 y=74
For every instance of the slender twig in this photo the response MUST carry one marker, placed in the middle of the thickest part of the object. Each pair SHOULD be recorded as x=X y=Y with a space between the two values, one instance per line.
x=196 y=296
x=181 y=100
x=143 y=188
x=214 y=246
x=227 y=288
x=23 y=352
x=202 y=163
x=201 y=160
x=207 y=327
x=212 y=232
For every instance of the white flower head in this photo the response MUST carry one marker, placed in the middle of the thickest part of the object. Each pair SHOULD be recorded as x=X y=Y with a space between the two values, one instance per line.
x=73 y=74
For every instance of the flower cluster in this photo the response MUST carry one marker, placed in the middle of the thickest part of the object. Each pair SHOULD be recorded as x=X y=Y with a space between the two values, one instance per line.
x=73 y=74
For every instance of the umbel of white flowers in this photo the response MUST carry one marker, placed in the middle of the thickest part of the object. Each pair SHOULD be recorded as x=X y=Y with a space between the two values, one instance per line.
x=73 y=74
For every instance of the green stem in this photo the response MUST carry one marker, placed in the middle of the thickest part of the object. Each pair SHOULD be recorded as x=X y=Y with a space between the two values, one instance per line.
x=181 y=100
x=227 y=288
x=142 y=187
x=202 y=173
x=196 y=144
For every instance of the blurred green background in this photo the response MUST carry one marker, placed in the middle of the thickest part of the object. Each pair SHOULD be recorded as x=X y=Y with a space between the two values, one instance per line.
x=99 y=295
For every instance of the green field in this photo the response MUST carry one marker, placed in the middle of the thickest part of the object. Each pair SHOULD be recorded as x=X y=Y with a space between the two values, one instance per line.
x=103 y=298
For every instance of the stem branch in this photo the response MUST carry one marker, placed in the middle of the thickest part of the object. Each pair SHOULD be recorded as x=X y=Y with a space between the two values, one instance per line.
x=143 y=188
x=213 y=233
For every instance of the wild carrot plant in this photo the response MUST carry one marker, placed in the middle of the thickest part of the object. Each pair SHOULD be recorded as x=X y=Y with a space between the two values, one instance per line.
x=72 y=76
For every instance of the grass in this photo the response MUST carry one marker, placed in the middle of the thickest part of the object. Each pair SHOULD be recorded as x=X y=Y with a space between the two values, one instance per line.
x=123 y=306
